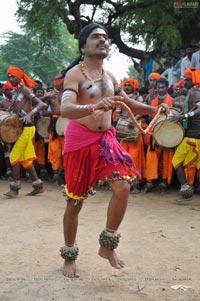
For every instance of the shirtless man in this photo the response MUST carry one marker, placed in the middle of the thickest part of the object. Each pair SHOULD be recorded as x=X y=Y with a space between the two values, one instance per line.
x=91 y=150
x=23 y=152
x=56 y=142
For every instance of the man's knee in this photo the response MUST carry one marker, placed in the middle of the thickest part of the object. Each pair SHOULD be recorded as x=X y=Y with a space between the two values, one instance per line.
x=74 y=207
x=122 y=189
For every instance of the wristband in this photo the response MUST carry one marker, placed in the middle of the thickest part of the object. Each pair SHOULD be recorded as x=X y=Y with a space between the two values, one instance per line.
x=91 y=108
x=186 y=116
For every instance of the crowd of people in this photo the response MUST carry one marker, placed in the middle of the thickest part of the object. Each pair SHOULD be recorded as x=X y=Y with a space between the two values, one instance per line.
x=162 y=160
x=135 y=136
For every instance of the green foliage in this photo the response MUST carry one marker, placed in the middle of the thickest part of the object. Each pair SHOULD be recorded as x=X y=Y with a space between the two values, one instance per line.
x=40 y=58
x=132 y=72
x=156 y=23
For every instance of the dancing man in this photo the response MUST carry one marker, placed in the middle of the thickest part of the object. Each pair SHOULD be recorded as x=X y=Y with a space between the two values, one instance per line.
x=91 y=150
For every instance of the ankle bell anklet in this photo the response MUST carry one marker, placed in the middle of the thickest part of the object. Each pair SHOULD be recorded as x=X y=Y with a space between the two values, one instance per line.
x=109 y=239
x=69 y=253
x=15 y=186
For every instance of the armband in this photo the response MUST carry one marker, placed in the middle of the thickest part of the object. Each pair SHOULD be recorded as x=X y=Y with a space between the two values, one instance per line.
x=89 y=107
x=198 y=104
x=34 y=110
x=72 y=90
x=32 y=96
x=191 y=114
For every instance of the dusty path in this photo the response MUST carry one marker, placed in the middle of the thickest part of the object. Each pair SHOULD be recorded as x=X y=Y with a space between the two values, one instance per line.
x=160 y=243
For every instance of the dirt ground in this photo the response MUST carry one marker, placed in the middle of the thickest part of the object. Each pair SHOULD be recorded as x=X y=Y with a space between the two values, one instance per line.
x=160 y=244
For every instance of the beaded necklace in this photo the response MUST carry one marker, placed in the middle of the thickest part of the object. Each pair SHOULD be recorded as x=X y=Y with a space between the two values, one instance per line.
x=83 y=69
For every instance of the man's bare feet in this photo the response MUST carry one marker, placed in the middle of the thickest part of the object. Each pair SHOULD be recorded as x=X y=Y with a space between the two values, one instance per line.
x=35 y=191
x=11 y=194
x=112 y=257
x=70 y=270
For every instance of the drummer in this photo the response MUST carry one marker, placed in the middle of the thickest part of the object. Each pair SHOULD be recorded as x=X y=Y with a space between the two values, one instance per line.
x=23 y=153
x=56 y=142
x=186 y=160
x=159 y=159
x=7 y=89
x=134 y=148
x=38 y=141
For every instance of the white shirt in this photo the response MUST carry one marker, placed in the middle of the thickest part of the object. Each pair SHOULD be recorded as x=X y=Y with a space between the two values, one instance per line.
x=195 y=61
x=186 y=63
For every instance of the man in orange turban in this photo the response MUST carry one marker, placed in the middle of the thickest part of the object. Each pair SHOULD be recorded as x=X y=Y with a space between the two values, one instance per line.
x=152 y=80
x=158 y=158
x=133 y=83
x=154 y=75
x=56 y=128
x=23 y=152
x=13 y=71
x=6 y=86
x=134 y=145
x=194 y=75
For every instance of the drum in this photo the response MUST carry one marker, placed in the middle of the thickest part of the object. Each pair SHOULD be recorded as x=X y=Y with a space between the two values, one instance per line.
x=10 y=127
x=126 y=130
x=42 y=127
x=60 y=125
x=166 y=133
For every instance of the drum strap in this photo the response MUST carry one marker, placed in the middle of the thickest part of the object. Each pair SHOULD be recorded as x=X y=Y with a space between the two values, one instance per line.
x=52 y=127
x=186 y=109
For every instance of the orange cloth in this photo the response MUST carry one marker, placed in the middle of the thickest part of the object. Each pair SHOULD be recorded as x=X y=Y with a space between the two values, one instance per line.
x=190 y=173
x=136 y=150
x=133 y=82
x=159 y=161
x=167 y=101
x=194 y=75
x=55 y=151
x=155 y=75
x=58 y=80
x=39 y=146
x=6 y=86
x=15 y=71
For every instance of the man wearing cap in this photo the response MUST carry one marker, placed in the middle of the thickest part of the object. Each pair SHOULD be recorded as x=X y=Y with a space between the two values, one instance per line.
x=24 y=105
x=187 y=154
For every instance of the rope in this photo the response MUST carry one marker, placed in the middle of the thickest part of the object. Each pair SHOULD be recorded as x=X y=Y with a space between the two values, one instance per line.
x=122 y=105
x=134 y=120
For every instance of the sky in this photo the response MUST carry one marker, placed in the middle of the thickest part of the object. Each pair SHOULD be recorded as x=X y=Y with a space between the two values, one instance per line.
x=116 y=63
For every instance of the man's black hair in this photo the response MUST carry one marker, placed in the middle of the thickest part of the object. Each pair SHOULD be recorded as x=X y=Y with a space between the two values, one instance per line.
x=164 y=81
x=83 y=35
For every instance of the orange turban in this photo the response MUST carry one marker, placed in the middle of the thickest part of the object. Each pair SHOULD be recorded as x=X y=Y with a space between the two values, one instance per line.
x=58 y=80
x=15 y=71
x=180 y=83
x=194 y=75
x=6 y=86
x=155 y=75
x=133 y=82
